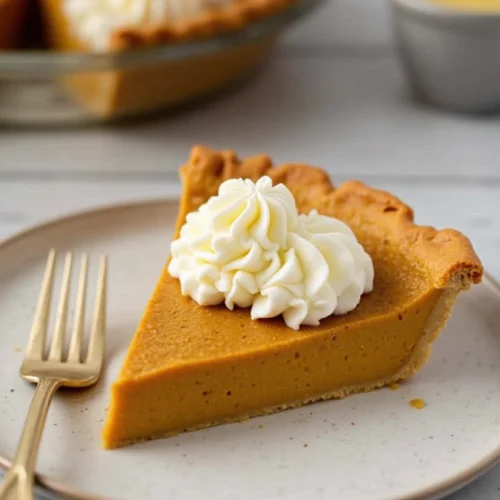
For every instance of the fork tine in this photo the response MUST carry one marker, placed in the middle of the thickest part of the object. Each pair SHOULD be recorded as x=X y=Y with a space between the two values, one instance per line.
x=36 y=343
x=95 y=352
x=75 y=348
x=57 y=346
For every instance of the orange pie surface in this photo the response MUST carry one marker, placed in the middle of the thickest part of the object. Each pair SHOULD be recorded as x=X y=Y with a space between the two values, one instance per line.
x=190 y=366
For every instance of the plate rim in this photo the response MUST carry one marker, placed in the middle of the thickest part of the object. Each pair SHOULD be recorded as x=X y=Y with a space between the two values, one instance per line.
x=47 y=486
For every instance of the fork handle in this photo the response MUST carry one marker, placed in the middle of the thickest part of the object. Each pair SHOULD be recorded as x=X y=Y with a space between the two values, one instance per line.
x=18 y=482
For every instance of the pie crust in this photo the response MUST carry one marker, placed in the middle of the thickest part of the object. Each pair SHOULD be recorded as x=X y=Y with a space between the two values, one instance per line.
x=13 y=16
x=213 y=22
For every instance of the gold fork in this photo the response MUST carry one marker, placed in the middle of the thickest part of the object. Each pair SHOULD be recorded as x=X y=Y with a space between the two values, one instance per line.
x=52 y=371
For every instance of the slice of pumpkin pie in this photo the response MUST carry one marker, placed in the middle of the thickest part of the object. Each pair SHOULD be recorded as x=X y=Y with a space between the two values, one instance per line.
x=282 y=290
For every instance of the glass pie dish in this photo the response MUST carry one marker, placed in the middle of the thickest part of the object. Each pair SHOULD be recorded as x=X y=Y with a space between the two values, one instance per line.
x=44 y=87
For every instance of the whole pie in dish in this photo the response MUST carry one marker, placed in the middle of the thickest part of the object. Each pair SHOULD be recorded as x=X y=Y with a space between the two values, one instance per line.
x=190 y=366
x=114 y=27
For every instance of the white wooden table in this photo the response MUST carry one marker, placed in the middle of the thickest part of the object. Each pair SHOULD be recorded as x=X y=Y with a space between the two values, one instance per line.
x=333 y=96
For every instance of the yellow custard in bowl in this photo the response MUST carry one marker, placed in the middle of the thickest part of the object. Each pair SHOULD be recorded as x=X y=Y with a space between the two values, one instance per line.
x=486 y=6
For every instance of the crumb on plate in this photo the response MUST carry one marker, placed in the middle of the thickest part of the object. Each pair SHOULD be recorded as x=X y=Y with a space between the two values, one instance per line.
x=418 y=403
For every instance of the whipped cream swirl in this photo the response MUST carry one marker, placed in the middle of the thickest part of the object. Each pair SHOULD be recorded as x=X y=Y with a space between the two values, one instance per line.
x=95 y=20
x=249 y=247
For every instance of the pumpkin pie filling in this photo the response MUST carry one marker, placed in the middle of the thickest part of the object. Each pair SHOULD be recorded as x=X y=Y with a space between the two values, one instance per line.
x=190 y=366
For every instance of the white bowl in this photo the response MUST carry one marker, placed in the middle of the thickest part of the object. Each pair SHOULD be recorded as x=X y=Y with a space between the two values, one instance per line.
x=451 y=57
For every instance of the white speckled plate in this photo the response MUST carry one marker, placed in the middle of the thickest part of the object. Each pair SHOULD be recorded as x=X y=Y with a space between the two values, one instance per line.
x=371 y=446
